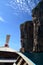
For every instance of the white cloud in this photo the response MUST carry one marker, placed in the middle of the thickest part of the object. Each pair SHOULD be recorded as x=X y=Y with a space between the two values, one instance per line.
x=2 y=19
x=23 y=5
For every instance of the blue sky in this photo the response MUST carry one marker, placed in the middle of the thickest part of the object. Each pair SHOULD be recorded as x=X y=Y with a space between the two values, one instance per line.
x=12 y=14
